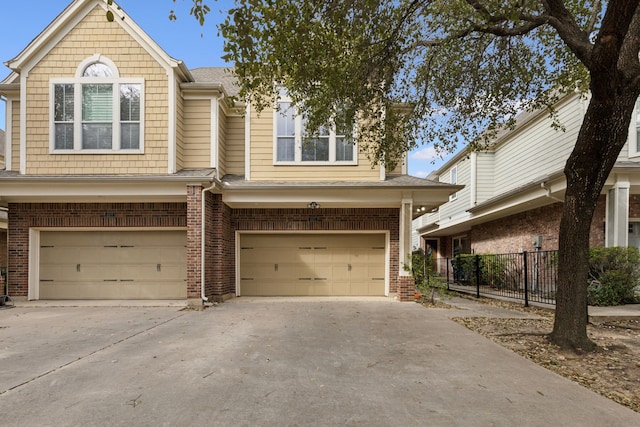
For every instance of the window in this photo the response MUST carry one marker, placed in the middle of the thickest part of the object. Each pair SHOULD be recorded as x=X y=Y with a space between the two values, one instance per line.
x=453 y=179
x=97 y=111
x=292 y=146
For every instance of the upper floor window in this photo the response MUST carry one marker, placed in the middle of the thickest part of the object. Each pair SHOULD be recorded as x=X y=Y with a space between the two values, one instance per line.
x=97 y=111
x=293 y=146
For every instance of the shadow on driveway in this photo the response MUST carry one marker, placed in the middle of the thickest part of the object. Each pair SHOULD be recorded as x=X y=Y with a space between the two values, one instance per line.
x=266 y=362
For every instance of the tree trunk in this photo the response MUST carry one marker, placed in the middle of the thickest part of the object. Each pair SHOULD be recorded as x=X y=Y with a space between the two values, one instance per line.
x=603 y=133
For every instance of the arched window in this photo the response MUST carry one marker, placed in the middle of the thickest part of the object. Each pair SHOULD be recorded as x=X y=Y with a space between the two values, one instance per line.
x=97 y=111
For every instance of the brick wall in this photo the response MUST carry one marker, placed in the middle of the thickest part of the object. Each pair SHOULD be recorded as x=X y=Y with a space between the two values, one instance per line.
x=23 y=216
x=220 y=274
x=516 y=232
x=3 y=248
x=194 y=242
x=356 y=219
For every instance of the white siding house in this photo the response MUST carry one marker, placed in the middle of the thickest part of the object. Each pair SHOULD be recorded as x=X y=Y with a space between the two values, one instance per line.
x=514 y=190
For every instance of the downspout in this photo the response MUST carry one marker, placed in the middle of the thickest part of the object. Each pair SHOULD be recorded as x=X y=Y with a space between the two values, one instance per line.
x=202 y=236
x=548 y=191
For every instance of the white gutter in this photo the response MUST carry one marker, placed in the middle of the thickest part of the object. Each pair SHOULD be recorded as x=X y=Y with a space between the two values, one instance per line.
x=543 y=184
x=202 y=236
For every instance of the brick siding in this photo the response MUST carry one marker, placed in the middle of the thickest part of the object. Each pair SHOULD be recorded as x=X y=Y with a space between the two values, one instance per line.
x=3 y=248
x=221 y=223
x=23 y=216
x=352 y=219
x=515 y=233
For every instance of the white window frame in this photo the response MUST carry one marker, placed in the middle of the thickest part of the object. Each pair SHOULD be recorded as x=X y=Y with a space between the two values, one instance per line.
x=453 y=179
x=634 y=129
x=298 y=143
x=78 y=81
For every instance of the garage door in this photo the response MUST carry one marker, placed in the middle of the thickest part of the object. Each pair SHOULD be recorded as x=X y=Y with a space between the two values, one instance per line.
x=113 y=265
x=294 y=264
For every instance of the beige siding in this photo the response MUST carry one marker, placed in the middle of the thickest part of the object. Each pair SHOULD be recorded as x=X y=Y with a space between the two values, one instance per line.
x=197 y=133
x=262 y=167
x=234 y=145
x=397 y=170
x=537 y=149
x=484 y=175
x=15 y=136
x=96 y=35
x=179 y=129
x=222 y=147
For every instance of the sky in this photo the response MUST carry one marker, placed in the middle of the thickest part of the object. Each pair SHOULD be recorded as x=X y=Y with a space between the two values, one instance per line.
x=183 y=39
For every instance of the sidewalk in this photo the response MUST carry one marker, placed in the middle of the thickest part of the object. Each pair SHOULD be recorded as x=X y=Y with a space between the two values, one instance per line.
x=596 y=314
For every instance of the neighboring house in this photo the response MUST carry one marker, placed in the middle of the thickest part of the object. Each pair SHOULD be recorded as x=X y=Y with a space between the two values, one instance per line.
x=513 y=192
x=129 y=176
x=1 y=149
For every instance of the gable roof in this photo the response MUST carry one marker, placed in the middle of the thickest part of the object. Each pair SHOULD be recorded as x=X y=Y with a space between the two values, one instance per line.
x=67 y=20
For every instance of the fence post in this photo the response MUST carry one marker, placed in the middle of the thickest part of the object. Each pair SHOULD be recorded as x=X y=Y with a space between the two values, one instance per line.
x=526 y=280
x=447 y=265
x=477 y=276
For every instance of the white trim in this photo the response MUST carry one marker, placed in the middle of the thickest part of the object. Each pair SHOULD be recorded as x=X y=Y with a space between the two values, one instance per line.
x=34 y=249
x=298 y=144
x=94 y=59
x=247 y=142
x=69 y=19
x=77 y=83
x=51 y=36
x=215 y=135
x=33 y=292
x=172 y=124
x=8 y=134
x=634 y=129
x=474 y=178
x=404 y=243
x=23 y=123
x=383 y=172
x=387 y=269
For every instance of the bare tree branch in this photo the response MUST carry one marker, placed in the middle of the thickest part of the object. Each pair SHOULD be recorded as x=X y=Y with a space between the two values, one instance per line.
x=594 y=16
x=569 y=31
x=629 y=61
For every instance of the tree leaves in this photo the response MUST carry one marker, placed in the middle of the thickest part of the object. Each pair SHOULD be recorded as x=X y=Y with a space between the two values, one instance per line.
x=461 y=70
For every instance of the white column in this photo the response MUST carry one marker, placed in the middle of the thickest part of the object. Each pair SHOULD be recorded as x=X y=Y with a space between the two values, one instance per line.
x=617 y=215
x=405 y=236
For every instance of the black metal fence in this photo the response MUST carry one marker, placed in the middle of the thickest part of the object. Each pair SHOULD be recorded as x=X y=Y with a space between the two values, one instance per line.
x=527 y=276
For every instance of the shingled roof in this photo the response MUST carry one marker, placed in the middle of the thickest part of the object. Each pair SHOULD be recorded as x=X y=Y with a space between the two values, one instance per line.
x=222 y=75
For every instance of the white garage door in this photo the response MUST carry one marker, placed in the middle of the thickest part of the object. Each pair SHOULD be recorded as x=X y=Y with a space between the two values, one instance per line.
x=327 y=264
x=113 y=265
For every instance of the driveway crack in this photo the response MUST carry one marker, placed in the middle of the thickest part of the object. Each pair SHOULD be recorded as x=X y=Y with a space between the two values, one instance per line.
x=113 y=344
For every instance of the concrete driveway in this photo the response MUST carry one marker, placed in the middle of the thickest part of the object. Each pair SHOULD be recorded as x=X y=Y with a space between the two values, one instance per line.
x=275 y=363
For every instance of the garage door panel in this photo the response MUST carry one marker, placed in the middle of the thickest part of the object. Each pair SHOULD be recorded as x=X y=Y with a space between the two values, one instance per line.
x=326 y=264
x=113 y=265
x=260 y=271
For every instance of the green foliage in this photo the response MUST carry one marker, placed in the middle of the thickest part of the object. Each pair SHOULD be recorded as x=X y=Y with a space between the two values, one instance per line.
x=614 y=273
x=426 y=278
x=407 y=72
x=501 y=272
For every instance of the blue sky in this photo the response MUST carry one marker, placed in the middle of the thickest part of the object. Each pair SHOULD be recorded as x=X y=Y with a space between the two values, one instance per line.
x=183 y=39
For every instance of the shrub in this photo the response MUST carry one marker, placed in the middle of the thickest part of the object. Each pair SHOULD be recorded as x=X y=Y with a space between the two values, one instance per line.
x=426 y=279
x=614 y=273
